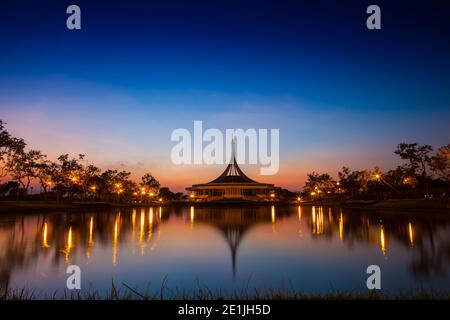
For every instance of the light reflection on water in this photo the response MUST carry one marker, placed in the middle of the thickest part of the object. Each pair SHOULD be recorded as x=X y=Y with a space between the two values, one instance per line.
x=314 y=249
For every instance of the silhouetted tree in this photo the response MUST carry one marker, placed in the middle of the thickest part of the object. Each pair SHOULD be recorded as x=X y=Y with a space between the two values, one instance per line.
x=418 y=157
x=440 y=163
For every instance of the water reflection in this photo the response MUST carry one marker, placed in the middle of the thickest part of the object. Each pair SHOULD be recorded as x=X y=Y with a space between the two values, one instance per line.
x=382 y=241
x=44 y=236
x=411 y=234
x=62 y=237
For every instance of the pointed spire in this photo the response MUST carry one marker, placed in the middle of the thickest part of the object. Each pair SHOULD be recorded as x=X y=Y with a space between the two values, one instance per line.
x=232 y=172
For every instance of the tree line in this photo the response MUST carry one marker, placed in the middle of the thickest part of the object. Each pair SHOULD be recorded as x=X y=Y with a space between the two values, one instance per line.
x=425 y=173
x=69 y=178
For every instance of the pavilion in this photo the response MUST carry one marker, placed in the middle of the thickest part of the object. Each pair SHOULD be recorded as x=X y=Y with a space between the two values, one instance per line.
x=233 y=184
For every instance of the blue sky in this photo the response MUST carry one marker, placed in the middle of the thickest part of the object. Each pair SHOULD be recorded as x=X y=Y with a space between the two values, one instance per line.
x=339 y=93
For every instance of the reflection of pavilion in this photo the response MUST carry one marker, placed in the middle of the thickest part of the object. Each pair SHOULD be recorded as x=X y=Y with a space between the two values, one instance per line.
x=234 y=223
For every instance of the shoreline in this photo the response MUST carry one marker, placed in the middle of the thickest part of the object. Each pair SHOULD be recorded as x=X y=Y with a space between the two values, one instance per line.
x=434 y=205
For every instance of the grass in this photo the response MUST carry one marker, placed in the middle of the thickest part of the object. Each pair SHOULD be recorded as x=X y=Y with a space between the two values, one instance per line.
x=125 y=292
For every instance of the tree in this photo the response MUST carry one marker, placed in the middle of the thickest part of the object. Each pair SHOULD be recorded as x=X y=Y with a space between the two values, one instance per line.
x=7 y=187
x=166 y=194
x=440 y=163
x=68 y=175
x=418 y=157
x=352 y=181
x=8 y=147
x=401 y=177
x=150 y=183
x=320 y=184
x=22 y=167
x=45 y=172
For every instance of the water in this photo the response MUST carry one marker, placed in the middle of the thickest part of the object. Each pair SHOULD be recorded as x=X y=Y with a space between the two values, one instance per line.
x=308 y=249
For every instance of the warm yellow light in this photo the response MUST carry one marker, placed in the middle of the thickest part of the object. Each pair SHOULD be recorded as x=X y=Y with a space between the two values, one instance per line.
x=313 y=215
x=151 y=194
x=135 y=193
x=382 y=241
x=142 y=192
x=115 y=240
x=191 y=195
x=69 y=238
x=142 y=225
x=272 y=195
x=116 y=230
x=74 y=179
x=411 y=234
x=150 y=216
x=313 y=193
x=160 y=199
x=91 y=230
x=317 y=220
x=49 y=183
x=192 y=215
x=44 y=237
x=341 y=227
x=377 y=176
x=93 y=188
x=143 y=189
x=298 y=198
x=337 y=183
x=273 y=214
x=69 y=245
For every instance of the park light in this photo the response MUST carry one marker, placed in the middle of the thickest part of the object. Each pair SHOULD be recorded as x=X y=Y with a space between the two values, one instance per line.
x=120 y=191
x=160 y=199
x=143 y=192
x=313 y=193
x=337 y=183
x=191 y=195
x=93 y=188
x=377 y=176
x=298 y=198
x=151 y=194
x=74 y=179
x=272 y=195
x=135 y=193
x=118 y=185
x=49 y=183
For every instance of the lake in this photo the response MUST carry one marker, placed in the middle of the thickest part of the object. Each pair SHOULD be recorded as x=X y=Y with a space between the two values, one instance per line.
x=307 y=249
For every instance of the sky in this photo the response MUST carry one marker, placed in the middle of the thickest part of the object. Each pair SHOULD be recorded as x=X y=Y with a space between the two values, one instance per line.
x=115 y=90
